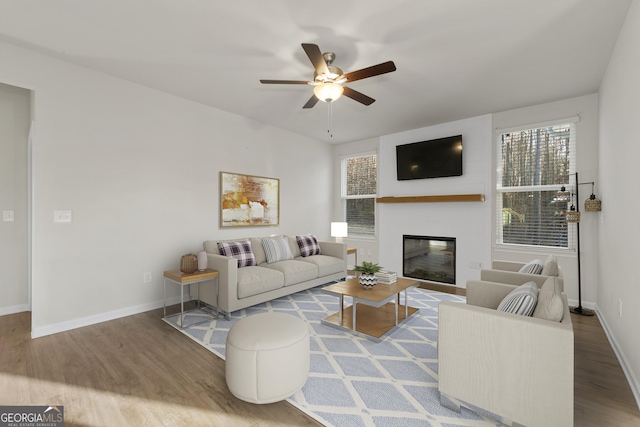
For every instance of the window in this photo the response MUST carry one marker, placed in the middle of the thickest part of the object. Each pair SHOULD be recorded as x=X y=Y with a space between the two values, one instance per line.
x=532 y=166
x=359 y=189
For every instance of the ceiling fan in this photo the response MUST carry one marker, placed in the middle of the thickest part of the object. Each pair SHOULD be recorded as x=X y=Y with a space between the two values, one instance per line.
x=329 y=80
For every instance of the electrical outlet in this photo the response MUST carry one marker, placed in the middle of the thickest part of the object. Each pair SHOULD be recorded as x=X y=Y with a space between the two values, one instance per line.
x=475 y=264
x=62 y=216
x=8 y=216
x=146 y=277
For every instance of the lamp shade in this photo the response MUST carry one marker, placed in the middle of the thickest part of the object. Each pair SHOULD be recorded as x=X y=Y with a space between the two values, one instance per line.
x=328 y=92
x=592 y=204
x=339 y=229
x=572 y=215
x=563 y=195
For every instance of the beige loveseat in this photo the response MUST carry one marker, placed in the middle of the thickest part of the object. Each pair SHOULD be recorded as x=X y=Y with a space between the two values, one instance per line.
x=241 y=287
x=517 y=367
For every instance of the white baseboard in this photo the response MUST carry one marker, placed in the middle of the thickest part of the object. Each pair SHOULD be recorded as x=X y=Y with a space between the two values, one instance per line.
x=14 y=309
x=626 y=368
x=99 y=318
x=585 y=304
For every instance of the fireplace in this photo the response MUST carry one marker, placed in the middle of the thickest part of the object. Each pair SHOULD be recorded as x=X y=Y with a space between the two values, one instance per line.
x=429 y=258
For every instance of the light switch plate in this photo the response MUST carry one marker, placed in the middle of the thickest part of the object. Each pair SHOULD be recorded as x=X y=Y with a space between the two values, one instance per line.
x=62 y=216
x=8 y=216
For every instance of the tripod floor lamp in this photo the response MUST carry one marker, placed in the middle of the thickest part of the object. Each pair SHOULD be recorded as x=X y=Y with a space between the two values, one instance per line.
x=592 y=204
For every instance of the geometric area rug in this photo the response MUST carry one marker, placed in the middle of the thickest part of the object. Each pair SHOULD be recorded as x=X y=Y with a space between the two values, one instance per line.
x=354 y=381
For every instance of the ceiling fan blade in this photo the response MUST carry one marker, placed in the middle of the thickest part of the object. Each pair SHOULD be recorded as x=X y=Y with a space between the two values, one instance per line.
x=314 y=54
x=284 y=82
x=358 y=96
x=375 y=70
x=311 y=102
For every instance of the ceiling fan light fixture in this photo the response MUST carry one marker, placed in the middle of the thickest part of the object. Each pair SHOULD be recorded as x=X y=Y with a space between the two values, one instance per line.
x=328 y=92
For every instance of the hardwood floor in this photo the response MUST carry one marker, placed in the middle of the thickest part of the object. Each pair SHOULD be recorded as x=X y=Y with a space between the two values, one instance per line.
x=602 y=394
x=139 y=371
x=135 y=371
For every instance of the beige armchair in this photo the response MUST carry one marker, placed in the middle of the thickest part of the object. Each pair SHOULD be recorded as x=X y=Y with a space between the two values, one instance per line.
x=517 y=367
x=508 y=272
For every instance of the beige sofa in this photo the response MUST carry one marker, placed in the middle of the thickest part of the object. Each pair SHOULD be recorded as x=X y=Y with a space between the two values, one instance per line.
x=514 y=366
x=247 y=286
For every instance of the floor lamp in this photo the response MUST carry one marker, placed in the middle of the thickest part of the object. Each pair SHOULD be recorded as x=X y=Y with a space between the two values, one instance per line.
x=592 y=204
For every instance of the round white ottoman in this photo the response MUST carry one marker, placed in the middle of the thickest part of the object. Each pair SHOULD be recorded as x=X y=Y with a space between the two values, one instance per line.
x=267 y=357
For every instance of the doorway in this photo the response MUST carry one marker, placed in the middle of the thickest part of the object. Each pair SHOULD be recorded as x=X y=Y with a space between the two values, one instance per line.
x=15 y=135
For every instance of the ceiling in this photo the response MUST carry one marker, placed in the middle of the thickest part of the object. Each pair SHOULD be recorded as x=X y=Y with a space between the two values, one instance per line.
x=455 y=58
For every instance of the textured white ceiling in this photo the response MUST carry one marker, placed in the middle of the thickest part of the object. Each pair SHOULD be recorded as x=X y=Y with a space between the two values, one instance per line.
x=455 y=58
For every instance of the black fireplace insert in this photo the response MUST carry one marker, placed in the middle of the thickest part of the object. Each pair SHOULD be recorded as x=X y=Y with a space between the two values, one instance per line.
x=429 y=258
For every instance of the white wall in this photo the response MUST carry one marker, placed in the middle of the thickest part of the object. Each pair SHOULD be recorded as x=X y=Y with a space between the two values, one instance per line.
x=586 y=108
x=620 y=175
x=14 y=129
x=468 y=222
x=139 y=170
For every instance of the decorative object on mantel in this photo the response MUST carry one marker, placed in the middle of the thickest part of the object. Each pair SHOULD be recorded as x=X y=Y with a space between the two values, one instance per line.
x=433 y=199
x=368 y=272
x=202 y=261
x=188 y=263
x=247 y=200
x=573 y=216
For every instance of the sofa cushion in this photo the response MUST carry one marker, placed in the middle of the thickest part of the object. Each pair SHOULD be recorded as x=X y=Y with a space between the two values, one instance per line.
x=239 y=250
x=521 y=300
x=532 y=267
x=277 y=249
x=550 y=302
x=257 y=280
x=308 y=245
x=550 y=266
x=294 y=271
x=326 y=264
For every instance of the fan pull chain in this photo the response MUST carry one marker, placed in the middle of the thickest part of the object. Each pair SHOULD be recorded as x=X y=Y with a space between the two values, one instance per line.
x=329 y=124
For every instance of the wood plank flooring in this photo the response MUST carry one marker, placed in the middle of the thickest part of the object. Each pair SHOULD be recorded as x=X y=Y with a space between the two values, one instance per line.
x=139 y=371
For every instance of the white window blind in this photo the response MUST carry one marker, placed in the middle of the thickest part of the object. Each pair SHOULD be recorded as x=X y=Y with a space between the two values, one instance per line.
x=358 y=191
x=533 y=163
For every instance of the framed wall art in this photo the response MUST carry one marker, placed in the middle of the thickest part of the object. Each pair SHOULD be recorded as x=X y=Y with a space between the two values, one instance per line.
x=247 y=200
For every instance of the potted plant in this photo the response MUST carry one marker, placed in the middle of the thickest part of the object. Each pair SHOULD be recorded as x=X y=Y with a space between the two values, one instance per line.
x=368 y=272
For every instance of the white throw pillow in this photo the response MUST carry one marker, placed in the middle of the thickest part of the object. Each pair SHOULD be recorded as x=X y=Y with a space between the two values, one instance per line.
x=532 y=267
x=550 y=302
x=521 y=300
x=550 y=266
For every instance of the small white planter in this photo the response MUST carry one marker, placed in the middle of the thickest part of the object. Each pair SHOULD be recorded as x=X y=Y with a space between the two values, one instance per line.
x=368 y=281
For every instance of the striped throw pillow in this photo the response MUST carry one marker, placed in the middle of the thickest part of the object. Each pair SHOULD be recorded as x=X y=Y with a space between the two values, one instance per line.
x=521 y=300
x=277 y=249
x=239 y=250
x=308 y=245
x=532 y=267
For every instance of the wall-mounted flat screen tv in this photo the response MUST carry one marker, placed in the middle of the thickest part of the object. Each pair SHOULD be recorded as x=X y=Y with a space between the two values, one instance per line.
x=435 y=158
